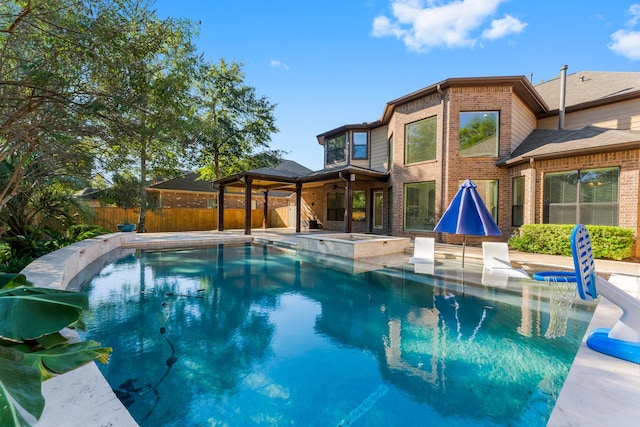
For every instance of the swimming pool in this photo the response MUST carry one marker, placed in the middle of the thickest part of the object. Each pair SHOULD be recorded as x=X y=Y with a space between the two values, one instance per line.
x=240 y=334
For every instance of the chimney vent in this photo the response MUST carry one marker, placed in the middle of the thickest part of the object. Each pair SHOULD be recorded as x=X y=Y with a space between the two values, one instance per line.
x=563 y=94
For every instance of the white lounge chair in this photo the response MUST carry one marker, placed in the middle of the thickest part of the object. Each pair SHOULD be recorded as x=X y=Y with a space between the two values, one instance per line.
x=497 y=261
x=423 y=258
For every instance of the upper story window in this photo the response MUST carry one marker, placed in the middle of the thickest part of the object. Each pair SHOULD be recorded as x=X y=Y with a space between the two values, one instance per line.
x=420 y=140
x=479 y=133
x=335 y=147
x=360 y=145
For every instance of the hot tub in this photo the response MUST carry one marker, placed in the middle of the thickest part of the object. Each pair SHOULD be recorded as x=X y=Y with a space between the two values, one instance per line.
x=352 y=245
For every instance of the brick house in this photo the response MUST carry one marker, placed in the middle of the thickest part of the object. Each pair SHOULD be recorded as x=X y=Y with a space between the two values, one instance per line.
x=563 y=151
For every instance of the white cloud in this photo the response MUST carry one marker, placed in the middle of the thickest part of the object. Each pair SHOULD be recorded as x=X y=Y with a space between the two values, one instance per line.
x=503 y=27
x=634 y=11
x=277 y=65
x=423 y=25
x=627 y=42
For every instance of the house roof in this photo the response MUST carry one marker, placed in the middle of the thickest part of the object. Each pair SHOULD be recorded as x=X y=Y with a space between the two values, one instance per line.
x=188 y=182
x=550 y=143
x=286 y=168
x=270 y=178
x=587 y=89
x=521 y=86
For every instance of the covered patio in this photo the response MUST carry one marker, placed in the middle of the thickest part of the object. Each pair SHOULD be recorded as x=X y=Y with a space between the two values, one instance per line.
x=290 y=177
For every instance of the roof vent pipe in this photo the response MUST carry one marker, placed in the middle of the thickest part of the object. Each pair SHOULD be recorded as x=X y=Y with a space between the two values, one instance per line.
x=563 y=95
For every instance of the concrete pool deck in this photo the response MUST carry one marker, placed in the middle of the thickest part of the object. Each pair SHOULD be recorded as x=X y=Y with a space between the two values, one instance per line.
x=599 y=390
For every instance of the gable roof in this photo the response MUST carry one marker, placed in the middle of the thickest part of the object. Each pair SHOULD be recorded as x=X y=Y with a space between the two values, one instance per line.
x=587 y=89
x=549 y=143
x=188 y=182
x=286 y=168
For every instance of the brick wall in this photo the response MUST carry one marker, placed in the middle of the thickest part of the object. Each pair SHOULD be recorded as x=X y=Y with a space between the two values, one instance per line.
x=176 y=199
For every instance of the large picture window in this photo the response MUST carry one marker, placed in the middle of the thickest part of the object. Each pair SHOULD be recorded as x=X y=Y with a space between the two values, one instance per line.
x=479 y=133
x=588 y=196
x=420 y=141
x=360 y=145
x=335 y=206
x=420 y=206
x=517 y=201
x=336 y=148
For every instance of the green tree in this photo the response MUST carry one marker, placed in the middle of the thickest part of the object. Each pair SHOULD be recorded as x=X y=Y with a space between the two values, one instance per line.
x=234 y=124
x=44 y=98
x=152 y=95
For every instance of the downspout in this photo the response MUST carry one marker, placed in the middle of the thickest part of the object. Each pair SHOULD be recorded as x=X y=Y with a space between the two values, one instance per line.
x=563 y=95
x=532 y=192
x=348 y=202
x=443 y=154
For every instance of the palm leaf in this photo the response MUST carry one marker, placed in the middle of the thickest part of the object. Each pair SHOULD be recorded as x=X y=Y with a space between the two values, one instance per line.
x=21 y=398
x=34 y=313
x=63 y=359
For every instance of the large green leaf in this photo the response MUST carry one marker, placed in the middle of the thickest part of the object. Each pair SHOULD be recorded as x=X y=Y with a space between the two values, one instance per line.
x=12 y=280
x=63 y=359
x=30 y=315
x=19 y=388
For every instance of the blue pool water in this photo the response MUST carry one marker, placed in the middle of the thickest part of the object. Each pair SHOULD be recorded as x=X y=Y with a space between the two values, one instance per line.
x=255 y=335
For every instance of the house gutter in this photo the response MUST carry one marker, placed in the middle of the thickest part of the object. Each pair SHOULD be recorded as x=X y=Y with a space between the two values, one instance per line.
x=443 y=155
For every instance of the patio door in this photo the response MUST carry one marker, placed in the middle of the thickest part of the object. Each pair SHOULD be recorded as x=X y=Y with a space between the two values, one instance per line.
x=377 y=210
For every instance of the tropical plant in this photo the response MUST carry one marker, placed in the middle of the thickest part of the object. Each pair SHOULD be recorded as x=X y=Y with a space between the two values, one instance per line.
x=32 y=346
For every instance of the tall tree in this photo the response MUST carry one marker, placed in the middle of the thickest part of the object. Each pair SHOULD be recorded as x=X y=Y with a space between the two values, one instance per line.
x=234 y=124
x=152 y=95
x=44 y=56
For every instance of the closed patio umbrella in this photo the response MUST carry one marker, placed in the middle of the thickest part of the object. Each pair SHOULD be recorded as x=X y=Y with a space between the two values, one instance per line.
x=467 y=215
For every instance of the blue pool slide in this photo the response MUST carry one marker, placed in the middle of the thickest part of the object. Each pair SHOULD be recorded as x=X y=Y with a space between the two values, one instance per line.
x=623 y=340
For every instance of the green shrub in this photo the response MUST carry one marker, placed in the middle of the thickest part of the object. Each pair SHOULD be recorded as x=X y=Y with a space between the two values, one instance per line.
x=607 y=241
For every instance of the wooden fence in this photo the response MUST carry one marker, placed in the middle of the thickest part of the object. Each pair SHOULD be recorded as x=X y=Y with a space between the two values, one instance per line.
x=188 y=219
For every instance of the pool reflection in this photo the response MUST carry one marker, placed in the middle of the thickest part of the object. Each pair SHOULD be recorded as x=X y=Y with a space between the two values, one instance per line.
x=263 y=335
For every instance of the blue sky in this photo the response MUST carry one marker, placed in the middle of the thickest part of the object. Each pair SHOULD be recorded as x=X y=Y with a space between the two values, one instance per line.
x=327 y=63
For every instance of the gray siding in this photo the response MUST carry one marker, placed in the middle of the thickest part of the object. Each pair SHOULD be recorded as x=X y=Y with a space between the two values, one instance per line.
x=622 y=116
x=379 y=149
x=523 y=122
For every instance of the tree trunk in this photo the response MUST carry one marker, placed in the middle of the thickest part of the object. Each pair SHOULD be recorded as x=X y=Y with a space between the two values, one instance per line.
x=142 y=228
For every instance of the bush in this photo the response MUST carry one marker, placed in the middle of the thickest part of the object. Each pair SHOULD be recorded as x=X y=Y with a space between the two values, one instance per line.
x=607 y=241
x=18 y=252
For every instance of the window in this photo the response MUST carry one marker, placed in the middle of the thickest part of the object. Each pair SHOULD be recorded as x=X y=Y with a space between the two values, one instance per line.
x=479 y=134
x=335 y=149
x=359 y=208
x=335 y=206
x=488 y=191
x=420 y=141
x=517 y=201
x=587 y=196
x=212 y=203
x=360 y=145
x=377 y=209
x=419 y=206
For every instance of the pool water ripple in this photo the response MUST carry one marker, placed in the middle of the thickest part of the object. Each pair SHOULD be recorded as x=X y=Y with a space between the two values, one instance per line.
x=257 y=335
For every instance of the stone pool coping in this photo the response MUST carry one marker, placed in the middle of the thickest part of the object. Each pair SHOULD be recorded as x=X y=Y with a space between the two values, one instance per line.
x=599 y=390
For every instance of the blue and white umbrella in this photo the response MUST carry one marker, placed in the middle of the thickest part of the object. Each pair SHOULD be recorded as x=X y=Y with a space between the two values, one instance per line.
x=467 y=215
